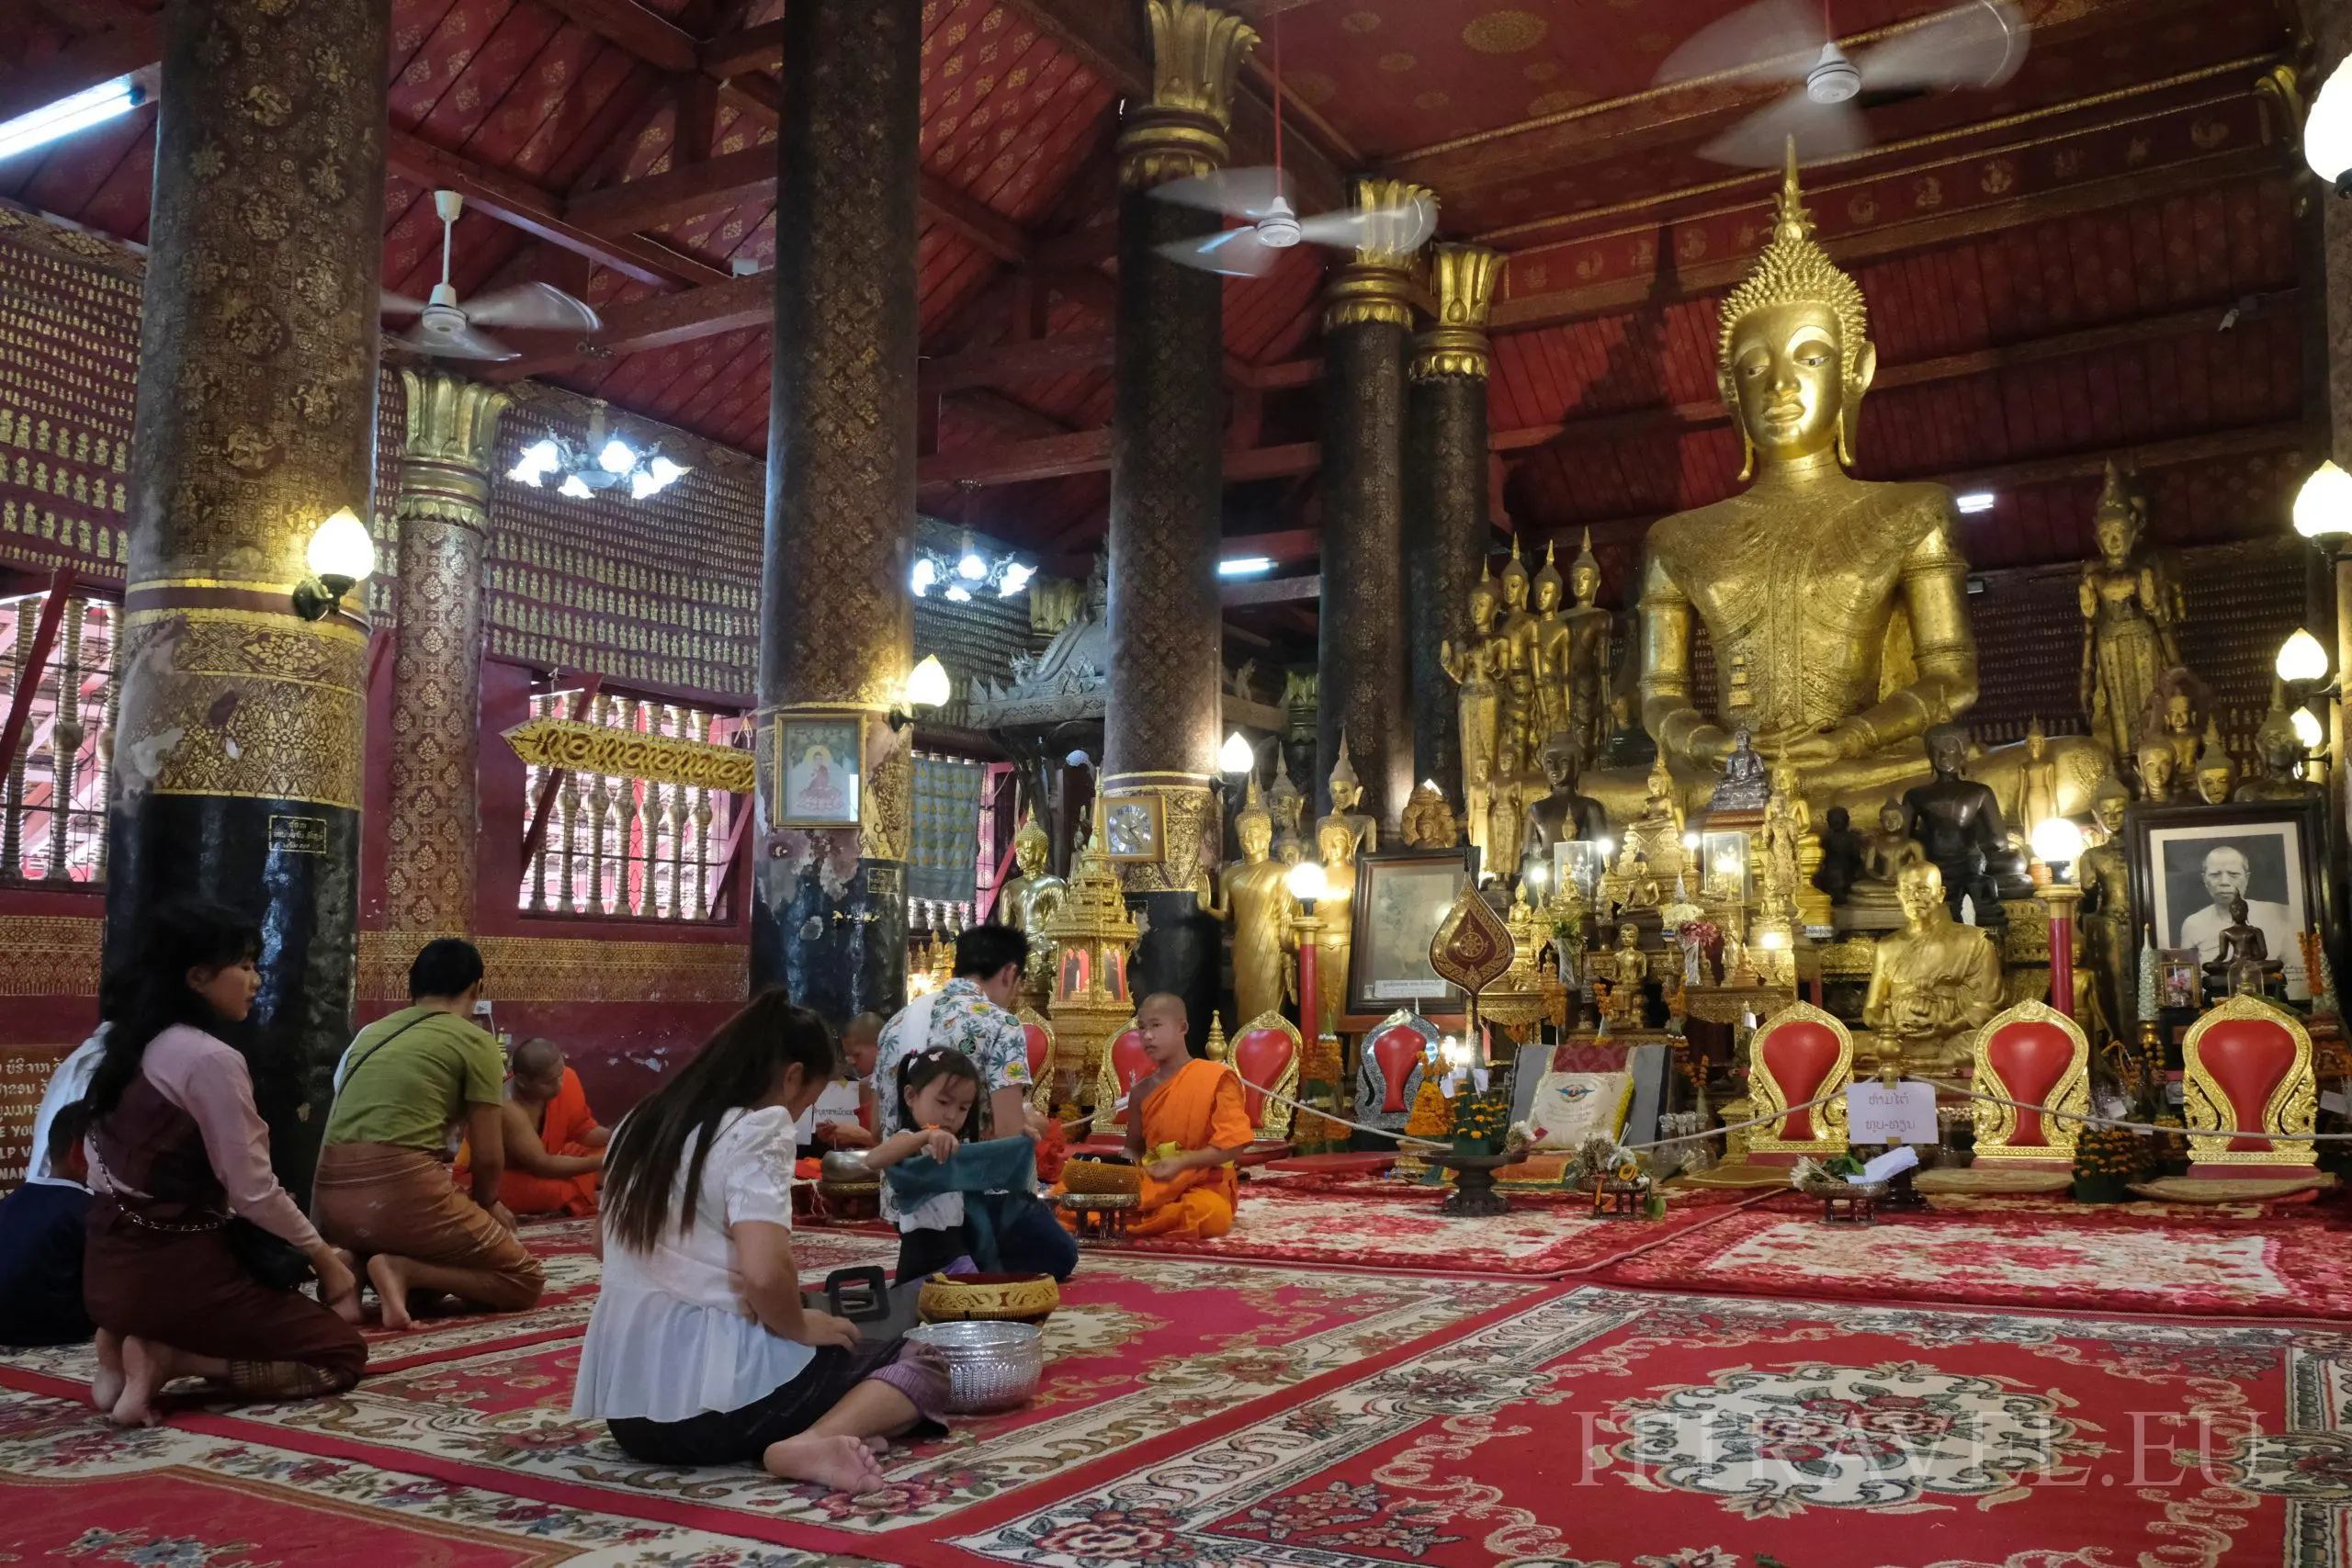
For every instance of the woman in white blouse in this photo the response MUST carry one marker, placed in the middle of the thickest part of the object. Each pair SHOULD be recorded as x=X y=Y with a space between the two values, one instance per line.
x=699 y=1350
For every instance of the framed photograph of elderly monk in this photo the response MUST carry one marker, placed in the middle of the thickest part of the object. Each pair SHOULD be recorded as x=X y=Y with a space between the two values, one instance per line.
x=1400 y=897
x=819 y=770
x=2191 y=865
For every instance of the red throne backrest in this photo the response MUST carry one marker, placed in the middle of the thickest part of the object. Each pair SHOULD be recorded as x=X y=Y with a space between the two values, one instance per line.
x=2248 y=1059
x=1261 y=1056
x=1394 y=1051
x=1129 y=1066
x=1041 y=1046
x=2032 y=1058
x=1800 y=1054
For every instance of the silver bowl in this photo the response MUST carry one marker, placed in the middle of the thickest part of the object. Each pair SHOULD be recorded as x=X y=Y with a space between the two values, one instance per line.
x=990 y=1365
x=839 y=1167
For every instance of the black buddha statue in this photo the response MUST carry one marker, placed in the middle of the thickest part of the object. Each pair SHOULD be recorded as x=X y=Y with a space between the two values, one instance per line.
x=1842 y=852
x=1957 y=823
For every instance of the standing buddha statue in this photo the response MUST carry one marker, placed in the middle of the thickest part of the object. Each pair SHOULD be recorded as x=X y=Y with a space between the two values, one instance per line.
x=1546 y=653
x=1517 y=711
x=1346 y=791
x=1585 y=661
x=2130 y=610
x=1476 y=702
x=1288 y=808
x=2104 y=916
x=1336 y=911
x=1837 y=608
x=1259 y=905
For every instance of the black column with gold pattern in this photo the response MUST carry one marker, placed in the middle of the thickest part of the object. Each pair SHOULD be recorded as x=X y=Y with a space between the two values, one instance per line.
x=1367 y=312
x=836 y=625
x=1445 y=487
x=1167 y=492
x=237 y=754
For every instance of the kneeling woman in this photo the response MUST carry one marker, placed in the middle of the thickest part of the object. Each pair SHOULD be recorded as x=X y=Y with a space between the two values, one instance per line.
x=699 y=1350
x=175 y=1147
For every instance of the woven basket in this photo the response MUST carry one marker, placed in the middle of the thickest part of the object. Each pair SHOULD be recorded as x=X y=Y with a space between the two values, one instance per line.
x=994 y=1298
x=1101 y=1177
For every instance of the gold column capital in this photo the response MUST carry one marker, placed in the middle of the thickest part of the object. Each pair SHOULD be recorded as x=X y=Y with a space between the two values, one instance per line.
x=1377 y=285
x=1463 y=278
x=452 y=418
x=1196 y=55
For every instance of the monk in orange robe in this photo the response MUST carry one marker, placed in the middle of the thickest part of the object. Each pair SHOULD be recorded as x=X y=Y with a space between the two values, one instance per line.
x=555 y=1150
x=1188 y=1121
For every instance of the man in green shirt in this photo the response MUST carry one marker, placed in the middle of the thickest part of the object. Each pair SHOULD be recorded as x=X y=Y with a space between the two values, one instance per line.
x=383 y=1188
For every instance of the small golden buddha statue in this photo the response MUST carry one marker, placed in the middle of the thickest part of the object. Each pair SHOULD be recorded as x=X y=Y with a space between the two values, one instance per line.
x=1933 y=984
x=1028 y=899
x=2177 y=712
x=1288 y=808
x=2217 y=771
x=1478 y=700
x=2282 y=753
x=2104 y=916
x=1777 y=870
x=2036 y=781
x=1259 y=907
x=1836 y=607
x=2130 y=609
x=1628 y=974
x=1347 y=793
x=2157 y=760
x=1428 y=822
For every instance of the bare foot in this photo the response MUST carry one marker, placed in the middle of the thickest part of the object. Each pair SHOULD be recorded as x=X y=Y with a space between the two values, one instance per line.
x=106 y=1387
x=839 y=1463
x=146 y=1367
x=391 y=1290
x=878 y=1445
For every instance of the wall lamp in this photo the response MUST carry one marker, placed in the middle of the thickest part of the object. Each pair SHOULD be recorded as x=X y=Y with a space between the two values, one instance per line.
x=926 y=688
x=342 y=557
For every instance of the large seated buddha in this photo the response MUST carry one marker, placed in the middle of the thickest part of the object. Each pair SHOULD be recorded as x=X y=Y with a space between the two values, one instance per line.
x=1835 y=608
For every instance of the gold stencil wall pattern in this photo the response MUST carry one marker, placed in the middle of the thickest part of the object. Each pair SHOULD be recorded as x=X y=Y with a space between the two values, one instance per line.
x=242 y=703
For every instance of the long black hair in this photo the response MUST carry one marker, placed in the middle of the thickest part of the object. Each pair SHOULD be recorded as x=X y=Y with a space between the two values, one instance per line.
x=151 y=994
x=940 y=1062
x=738 y=1068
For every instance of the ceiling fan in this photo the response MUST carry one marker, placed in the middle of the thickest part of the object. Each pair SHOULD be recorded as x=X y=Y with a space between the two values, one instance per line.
x=448 y=330
x=1261 y=198
x=1979 y=45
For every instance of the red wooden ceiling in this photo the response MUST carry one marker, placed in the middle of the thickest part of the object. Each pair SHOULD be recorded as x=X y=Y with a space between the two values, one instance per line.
x=1535 y=123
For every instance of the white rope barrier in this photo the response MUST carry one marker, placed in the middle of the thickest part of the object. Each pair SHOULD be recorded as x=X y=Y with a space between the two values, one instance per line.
x=2092 y=1117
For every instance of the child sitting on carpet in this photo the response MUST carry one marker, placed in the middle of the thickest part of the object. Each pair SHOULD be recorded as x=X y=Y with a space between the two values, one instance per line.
x=939 y=1089
x=1188 y=1119
x=699 y=1350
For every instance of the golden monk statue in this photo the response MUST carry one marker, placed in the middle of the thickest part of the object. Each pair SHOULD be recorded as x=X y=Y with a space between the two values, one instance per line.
x=1473 y=668
x=1347 y=791
x=1933 y=984
x=2130 y=610
x=1259 y=905
x=1837 y=610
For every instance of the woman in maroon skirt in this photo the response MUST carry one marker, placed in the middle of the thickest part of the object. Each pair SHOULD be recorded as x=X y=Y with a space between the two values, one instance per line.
x=175 y=1149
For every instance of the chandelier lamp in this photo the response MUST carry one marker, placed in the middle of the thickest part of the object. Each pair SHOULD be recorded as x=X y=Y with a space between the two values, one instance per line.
x=962 y=577
x=601 y=465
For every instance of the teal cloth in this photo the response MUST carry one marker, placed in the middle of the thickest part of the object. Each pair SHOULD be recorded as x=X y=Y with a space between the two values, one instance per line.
x=996 y=1176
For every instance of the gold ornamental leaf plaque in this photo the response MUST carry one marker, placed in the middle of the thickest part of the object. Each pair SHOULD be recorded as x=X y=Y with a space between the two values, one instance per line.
x=627 y=754
x=1473 y=948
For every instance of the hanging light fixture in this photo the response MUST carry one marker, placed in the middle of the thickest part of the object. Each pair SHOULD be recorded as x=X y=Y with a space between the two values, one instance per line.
x=603 y=463
x=2327 y=134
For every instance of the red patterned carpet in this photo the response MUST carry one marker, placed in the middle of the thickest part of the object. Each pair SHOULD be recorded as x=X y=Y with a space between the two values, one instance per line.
x=2170 y=1260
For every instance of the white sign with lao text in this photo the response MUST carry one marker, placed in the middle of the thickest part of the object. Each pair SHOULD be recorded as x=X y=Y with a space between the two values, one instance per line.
x=1878 y=1113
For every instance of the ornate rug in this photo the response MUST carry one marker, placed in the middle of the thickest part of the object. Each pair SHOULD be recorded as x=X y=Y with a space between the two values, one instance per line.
x=2184 y=1262
x=1143 y=1351
x=1402 y=1231
x=74 y=1488
x=1606 y=1429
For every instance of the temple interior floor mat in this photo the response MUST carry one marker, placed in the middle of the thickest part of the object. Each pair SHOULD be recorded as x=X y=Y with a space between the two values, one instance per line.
x=2184 y=1260
x=1632 y=1430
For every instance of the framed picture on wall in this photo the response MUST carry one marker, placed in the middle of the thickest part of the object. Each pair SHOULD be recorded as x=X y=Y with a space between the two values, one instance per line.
x=1400 y=897
x=820 y=771
x=2190 y=862
x=1132 y=826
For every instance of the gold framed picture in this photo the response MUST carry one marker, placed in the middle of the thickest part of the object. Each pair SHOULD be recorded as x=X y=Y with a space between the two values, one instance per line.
x=820 y=771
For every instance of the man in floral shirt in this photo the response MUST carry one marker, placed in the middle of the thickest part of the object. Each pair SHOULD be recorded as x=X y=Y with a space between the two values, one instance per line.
x=972 y=1013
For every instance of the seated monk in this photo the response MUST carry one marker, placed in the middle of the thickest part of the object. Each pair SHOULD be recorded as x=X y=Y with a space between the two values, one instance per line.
x=555 y=1150
x=1188 y=1119
x=861 y=1044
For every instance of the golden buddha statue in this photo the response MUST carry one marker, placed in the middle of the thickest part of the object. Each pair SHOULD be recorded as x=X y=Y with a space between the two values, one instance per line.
x=2157 y=760
x=2036 y=781
x=2105 y=915
x=1517 y=709
x=1288 y=808
x=1629 y=972
x=2217 y=771
x=1933 y=984
x=1336 y=911
x=1428 y=822
x=1545 y=651
x=1580 y=657
x=2130 y=610
x=1346 y=791
x=1835 y=609
x=1028 y=899
x=1476 y=702
x=2282 y=753
x=1259 y=907
x=1777 y=878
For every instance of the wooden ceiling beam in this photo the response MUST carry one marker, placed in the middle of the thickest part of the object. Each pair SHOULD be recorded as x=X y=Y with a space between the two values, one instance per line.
x=2159 y=328
x=759 y=47
x=1089 y=452
x=653 y=38
x=1270 y=591
x=1676 y=282
x=687 y=190
x=542 y=213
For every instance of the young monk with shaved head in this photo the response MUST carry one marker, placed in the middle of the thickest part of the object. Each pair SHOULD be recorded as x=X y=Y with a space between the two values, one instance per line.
x=1185 y=1123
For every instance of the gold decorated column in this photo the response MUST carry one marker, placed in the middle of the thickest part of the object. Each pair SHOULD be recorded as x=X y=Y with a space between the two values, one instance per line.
x=1367 y=317
x=1445 y=489
x=1166 y=491
x=836 y=621
x=238 y=752
x=442 y=517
